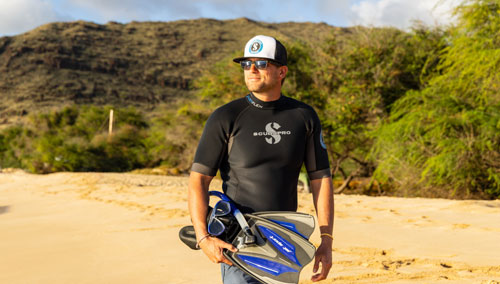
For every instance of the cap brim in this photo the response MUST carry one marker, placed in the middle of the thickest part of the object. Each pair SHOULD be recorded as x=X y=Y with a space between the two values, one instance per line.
x=239 y=59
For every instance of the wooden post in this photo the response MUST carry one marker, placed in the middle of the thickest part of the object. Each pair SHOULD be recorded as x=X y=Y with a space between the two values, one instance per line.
x=110 y=122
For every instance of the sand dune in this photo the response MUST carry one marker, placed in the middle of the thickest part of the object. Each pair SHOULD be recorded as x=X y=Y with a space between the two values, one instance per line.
x=122 y=228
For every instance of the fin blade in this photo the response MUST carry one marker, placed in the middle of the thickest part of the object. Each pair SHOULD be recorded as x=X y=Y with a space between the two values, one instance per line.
x=266 y=265
x=188 y=237
x=301 y=223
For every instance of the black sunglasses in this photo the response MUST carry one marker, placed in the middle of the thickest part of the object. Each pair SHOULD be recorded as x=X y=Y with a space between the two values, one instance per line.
x=259 y=64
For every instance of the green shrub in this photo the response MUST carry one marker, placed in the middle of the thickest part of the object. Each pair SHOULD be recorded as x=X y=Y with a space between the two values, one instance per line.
x=76 y=139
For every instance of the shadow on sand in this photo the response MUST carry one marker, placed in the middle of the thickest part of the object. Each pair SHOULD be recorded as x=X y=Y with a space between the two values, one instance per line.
x=4 y=209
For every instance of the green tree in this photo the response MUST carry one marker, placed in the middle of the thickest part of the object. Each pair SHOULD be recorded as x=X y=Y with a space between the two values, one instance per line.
x=364 y=71
x=446 y=138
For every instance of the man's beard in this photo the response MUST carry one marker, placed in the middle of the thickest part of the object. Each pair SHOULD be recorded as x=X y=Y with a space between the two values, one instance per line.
x=260 y=87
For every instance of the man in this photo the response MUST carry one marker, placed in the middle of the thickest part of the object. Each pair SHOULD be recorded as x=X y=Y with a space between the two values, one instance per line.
x=259 y=144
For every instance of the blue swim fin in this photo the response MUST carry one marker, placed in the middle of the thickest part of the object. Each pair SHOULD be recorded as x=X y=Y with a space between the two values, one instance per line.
x=278 y=248
x=277 y=256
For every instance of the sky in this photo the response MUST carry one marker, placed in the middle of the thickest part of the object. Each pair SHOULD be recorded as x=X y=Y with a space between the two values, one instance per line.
x=18 y=16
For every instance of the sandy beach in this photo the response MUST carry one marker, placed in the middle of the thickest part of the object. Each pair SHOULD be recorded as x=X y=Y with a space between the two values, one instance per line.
x=123 y=228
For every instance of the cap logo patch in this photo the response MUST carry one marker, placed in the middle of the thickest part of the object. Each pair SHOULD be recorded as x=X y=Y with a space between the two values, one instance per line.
x=256 y=47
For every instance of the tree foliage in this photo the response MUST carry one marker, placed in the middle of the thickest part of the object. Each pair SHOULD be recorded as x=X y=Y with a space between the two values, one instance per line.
x=363 y=73
x=448 y=134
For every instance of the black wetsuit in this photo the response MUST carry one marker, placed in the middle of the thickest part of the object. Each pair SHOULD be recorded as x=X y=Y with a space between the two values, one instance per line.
x=259 y=148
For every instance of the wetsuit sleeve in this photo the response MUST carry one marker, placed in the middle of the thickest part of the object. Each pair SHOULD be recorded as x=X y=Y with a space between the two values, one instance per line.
x=212 y=146
x=316 y=158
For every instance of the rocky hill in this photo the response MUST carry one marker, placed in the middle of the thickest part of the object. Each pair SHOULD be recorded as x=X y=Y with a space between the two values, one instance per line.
x=141 y=64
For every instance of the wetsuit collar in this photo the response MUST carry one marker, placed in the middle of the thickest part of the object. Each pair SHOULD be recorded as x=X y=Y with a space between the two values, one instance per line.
x=254 y=101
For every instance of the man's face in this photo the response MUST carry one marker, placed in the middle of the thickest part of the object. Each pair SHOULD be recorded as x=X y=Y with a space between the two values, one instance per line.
x=263 y=80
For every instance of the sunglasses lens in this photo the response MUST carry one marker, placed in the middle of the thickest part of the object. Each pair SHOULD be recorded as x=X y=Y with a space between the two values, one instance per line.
x=261 y=64
x=247 y=64
x=215 y=227
x=222 y=208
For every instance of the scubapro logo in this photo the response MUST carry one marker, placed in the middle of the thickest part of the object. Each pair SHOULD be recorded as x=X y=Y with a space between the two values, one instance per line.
x=272 y=130
x=256 y=47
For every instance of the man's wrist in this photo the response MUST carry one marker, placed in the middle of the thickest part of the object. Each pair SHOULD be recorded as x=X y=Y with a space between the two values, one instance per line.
x=327 y=239
x=327 y=236
x=201 y=240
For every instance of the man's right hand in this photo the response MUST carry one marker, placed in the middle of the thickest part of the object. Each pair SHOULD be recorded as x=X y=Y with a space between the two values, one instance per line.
x=213 y=248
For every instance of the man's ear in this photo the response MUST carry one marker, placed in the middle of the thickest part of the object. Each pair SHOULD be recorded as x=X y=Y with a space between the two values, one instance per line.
x=283 y=71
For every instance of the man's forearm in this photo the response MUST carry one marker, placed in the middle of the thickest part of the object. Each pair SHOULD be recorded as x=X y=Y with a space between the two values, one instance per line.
x=198 y=202
x=322 y=190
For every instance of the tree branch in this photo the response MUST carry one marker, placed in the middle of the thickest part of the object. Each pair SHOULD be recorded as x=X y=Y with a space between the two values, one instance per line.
x=347 y=181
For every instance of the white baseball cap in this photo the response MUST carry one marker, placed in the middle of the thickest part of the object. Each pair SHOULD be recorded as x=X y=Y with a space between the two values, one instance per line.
x=267 y=47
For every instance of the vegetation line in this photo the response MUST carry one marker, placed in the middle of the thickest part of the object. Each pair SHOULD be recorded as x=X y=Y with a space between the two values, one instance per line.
x=412 y=113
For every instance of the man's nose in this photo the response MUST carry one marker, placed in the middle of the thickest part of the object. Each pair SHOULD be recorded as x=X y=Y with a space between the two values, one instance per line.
x=253 y=68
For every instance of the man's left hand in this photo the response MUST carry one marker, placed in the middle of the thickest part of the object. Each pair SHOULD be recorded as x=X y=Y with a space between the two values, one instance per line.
x=323 y=256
